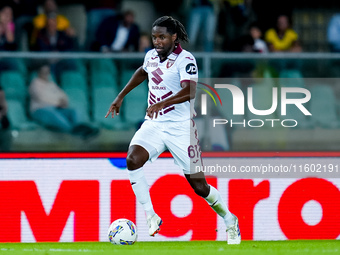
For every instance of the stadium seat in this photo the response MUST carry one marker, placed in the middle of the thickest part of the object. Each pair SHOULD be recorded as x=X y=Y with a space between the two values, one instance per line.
x=102 y=99
x=14 y=86
x=73 y=79
x=80 y=66
x=18 y=117
x=20 y=66
x=135 y=104
x=291 y=73
x=103 y=65
x=323 y=107
x=78 y=100
x=291 y=78
x=14 y=64
x=126 y=76
x=103 y=79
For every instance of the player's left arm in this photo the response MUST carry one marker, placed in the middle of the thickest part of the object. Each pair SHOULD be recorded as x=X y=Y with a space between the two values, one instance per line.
x=187 y=93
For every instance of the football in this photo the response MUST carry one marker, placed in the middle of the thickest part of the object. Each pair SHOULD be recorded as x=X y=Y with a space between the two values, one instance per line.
x=122 y=232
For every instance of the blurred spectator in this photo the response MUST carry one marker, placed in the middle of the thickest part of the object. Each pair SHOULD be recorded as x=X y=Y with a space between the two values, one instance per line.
x=96 y=12
x=7 y=29
x=50 y=38
x=267 y=11
x=202 y=21
x=164 y=8
x=5 y=134
x=234 y=19
x=250 y=42
x=282 y=37
x=118 y=34
x=40 y=21
x=333 y=33
x=49 y=107
x=7 y=36
x=244 y=43
x=24 y=12
x=145 y=43
x=256 y=34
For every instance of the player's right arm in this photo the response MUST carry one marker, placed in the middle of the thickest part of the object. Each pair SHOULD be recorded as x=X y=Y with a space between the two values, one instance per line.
x=137 y=78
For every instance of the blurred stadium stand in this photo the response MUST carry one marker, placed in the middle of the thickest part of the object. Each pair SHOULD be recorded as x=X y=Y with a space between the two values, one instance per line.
x=94 y=79
x=92 y=87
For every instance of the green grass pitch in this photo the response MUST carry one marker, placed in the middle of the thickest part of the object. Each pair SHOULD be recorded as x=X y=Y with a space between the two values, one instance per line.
x=176 y=248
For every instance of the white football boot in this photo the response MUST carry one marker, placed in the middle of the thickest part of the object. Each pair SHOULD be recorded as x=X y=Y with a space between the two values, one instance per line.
x=154 y=222
x=234 y=234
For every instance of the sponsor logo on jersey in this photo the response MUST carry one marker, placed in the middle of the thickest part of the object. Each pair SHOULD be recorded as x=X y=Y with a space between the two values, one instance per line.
x=152 y=64
x=170 y=63
x=191 y=68
x=158 y=88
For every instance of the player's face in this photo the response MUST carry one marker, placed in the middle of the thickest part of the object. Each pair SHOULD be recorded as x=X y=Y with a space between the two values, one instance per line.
x=163 y=41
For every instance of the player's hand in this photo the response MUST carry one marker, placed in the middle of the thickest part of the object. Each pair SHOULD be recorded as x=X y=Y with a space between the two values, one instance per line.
x=153 y=110
x=114 y=108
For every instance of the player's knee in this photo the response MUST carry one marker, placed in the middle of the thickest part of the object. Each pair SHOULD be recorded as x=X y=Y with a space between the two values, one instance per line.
x=133 y=162
x=201 y=189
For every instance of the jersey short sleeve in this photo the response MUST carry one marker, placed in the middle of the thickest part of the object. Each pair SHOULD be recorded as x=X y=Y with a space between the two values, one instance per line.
x=187 y=67
x=147 y=57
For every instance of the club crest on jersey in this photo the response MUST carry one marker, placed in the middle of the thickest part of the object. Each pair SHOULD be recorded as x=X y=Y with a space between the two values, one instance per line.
x=191 y=68
x=170 y=63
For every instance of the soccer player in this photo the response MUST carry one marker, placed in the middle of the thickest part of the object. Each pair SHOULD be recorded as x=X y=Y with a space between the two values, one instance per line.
x=171 y=72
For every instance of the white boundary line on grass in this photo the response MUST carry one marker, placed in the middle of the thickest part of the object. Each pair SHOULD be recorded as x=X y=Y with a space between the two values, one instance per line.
x=51 y=250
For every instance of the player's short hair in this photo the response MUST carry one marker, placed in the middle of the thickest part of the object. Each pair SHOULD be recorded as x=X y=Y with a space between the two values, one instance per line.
x=173 y=26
